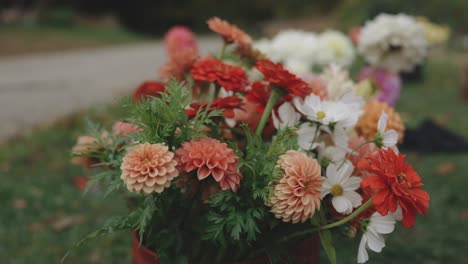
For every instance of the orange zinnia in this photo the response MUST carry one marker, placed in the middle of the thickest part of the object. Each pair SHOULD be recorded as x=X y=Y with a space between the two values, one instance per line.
x=229 y=32
x=395 y=183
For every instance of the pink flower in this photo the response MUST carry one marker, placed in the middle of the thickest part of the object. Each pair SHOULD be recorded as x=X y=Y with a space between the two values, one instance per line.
x=387 y=82
x=125 y=129
x=297 y=195
x=148 y=168
x=178 y=38
x=210 y=157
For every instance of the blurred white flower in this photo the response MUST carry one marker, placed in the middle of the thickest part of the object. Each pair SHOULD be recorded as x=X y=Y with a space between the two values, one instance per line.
x=372 y=237
x=335 y=47
x=297 y=66
x=342 y=186
x=394 y=42
x=330 y=154
x=287 y=116
x=337 y=81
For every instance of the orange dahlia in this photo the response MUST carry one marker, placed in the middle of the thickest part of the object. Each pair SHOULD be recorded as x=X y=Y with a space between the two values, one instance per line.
x=148 y=168
x=367 y=124
x=229 y=32
x=297 y=195
x=395 y=183
x=232 y=78
x=210 y=157
x=277 y=75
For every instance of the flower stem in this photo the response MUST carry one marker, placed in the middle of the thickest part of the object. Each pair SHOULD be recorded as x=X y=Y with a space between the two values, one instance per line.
x=274 y=96
x=223 y=49
x=348 y=218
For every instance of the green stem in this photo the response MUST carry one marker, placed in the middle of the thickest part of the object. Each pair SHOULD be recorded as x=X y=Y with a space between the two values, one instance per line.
x=223 y=49
x=331 y=225
x=274 y=96
x=353 y=151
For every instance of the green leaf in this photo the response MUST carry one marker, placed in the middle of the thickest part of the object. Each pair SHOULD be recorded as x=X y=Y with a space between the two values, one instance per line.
x=326 y=239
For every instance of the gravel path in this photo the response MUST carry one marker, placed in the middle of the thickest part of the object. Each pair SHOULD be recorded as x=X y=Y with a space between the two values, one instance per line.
x=41 y=88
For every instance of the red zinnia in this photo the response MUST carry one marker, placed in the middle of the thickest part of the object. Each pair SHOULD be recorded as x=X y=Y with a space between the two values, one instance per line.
x=228 y=104
x=258 y=94
x=395 y=183
x=147 y=89
x=232 y=78
x=276 y=74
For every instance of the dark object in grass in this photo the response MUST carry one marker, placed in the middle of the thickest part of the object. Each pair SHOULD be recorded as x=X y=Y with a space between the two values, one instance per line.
x=415 y=76
x=431 y=138
x=464 y=84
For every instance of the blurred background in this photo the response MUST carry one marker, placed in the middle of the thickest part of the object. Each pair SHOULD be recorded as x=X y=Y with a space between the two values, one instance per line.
x=62 y=62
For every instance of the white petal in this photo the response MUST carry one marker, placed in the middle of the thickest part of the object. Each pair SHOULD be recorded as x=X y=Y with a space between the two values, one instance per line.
x=342 y=205
x=382 y=124
x=352 y=183
x=375 y=241
x=354 y=198
x=382 y=224
x=362 y=256
x=345 y=171
x=305 y=135
x=332 y=173
x=398 y=214
x=390 y=138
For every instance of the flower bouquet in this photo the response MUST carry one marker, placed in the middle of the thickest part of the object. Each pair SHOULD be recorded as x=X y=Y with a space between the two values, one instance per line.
x=234 y=159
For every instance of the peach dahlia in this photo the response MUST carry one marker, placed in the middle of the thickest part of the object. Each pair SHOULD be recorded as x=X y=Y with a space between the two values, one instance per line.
x=148 y=168
x=210 y=157
x=297 y=194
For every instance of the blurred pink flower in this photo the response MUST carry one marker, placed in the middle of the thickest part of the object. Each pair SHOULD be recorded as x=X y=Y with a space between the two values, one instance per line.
x=124 y=128
x=388 y=83
x=179 y=38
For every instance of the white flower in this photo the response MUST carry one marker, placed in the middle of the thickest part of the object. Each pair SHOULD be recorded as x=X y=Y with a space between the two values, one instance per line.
x=297 y=66
x=305 y=136
x=385 y=138
x=342 y=186
x=337 y=81
x=324 y=112
x=287 y=116
x=372 y=237
x=335 y=47
x=330 y=154
x=394 y=42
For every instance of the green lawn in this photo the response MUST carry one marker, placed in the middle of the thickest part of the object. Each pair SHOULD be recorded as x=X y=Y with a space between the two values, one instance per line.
x=19 y=39
x=44 y=214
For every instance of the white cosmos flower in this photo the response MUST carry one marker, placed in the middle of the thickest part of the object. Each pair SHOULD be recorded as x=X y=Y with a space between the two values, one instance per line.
x=342 y=186
x=385 y=138
x=330 y=154
x=324 y=112
x=287 y=116
x=339 y=136
x=372 y=237
x=337 y=81
x=305 y=136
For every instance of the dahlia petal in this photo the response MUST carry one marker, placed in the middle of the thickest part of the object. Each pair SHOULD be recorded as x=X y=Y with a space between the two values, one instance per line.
x=218 y=174
x=203 y=172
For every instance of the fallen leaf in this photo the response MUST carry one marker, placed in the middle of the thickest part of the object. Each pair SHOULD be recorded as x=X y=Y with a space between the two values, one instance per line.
x=464 y=214
x=60 y=221
x=445 y=168
x=20 y=204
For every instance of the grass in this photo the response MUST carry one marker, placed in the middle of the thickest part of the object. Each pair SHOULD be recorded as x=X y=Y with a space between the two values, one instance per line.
x=21 y=39
x=44 y=214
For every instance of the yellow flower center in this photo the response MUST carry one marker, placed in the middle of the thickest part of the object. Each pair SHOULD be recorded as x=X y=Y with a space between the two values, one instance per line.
x=321 y=115
x=337 y=190
x=401 y=178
